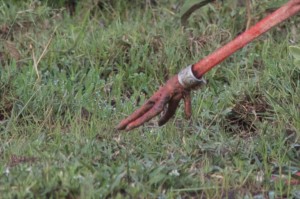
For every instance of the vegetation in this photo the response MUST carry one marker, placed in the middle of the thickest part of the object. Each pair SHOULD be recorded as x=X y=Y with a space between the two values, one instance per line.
x=67 y=80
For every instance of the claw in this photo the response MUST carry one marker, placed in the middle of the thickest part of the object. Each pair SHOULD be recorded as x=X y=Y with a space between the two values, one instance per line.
x=168 y=95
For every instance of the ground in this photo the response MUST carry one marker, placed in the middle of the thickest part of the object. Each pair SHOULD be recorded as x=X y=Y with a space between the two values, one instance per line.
x=68 y=79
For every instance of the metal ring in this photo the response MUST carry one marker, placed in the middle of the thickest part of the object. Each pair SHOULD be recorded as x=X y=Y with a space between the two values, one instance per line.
x=187 y=79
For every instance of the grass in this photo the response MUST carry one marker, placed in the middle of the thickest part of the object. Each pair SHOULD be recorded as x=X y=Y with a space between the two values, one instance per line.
x=57 y=115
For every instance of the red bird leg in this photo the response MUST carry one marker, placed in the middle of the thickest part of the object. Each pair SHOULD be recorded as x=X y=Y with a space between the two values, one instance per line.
x=179 y=86
x=286 y=11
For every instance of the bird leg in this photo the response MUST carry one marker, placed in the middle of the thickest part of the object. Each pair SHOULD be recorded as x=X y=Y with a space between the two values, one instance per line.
x=179 y=86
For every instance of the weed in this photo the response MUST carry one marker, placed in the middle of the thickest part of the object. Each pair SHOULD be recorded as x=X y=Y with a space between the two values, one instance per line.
x=66 y=81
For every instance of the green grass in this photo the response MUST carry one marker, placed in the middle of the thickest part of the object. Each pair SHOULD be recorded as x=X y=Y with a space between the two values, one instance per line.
x=57 y=135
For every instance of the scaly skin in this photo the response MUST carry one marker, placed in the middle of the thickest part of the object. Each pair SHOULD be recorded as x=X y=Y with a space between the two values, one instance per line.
x=286 y=11
x=170 y=95
x=172 y=92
